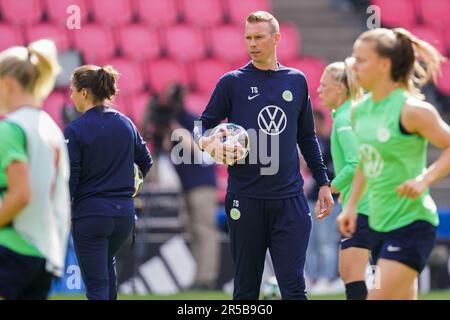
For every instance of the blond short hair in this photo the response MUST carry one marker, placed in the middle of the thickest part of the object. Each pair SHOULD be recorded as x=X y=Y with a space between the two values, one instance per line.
x=263 y=16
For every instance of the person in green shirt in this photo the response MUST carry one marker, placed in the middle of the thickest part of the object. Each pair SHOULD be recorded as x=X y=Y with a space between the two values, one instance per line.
x=34 y=169
x=393 y=126
x=337 y=91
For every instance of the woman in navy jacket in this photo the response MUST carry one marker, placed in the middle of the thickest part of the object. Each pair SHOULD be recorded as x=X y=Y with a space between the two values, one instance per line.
x=103 y=147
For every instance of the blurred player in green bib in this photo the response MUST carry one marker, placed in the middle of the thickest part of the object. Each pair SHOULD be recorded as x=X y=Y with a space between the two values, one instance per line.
x=338 y=89
x=34 y=175
x=393 y=126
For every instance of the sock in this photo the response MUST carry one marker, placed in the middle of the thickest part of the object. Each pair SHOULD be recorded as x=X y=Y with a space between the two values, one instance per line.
x=356 y=290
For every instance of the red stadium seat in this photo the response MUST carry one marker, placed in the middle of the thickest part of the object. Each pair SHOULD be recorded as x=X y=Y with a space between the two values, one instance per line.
x=289 y=46
x=446 y=36
x=163 y=72
x=201 y=12
x=435 y=13
x=10 y=36
x=316 y=102
x=398 y=13
x=49 y=31
x=431 y=35
x=238 y=10
x=57 y=10
x=139 y=105
x=157 y=12
x=196 y=102
x=239 y=64
x=94 y=42
x=21 y=11
x=121 y=103
x=131 y=79
x=139 y=43
x=312 y=68
x=444 y=79
x=116 y=12
x=53 y=105
x=206 y=73
x=185 y=42
x=228 y=43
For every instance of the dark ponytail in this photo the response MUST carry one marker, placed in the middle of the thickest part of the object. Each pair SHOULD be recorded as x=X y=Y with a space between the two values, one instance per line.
x=101 y=81
x=402 y=58
x=107 y=87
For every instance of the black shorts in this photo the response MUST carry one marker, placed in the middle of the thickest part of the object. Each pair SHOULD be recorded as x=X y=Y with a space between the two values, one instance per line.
x=23 y=277
x=361 y=238
x=410 y=245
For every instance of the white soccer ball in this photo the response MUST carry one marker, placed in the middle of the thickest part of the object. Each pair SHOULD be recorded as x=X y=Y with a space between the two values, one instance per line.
x=138 y=180
x=270 y=289
x=237 y=136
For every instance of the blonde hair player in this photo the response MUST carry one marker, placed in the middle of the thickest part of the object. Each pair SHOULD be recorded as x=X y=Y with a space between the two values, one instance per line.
x=338 y=90
x=393 y=126
x=34 y=175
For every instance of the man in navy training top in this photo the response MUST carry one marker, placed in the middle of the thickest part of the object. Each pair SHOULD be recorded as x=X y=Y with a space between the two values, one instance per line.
x=267 y=208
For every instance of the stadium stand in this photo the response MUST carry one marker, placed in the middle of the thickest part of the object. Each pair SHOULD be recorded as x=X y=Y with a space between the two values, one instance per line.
x=10 y=36
x=237 y=11
x=206 y=72
x=48 y=30
x=290 y=45
x=21 y=12
x=157 y=12
x=133 y=42
x=390 y=13
x=163 y=71
x=94 y=42
x=211 y=12
x=185 y=42
x=436 y=14
x=56 y=11
x=131 y=79
x=138 y=103
x=224 y=45
x=54 y=105
x=111 y=13
x=431 y=35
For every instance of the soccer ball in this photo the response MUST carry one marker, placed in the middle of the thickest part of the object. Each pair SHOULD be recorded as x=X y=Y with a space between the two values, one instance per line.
x=138 y=180
x=237 y=136
x=270 y=289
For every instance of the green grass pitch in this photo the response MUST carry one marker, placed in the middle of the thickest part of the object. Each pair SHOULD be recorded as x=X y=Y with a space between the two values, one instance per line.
x=219 y=295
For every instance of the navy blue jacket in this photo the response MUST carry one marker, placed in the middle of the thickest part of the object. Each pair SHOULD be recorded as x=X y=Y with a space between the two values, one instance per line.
x=103 y=146
x=274 y=104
